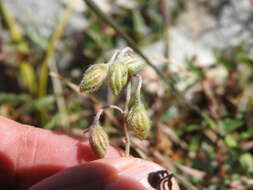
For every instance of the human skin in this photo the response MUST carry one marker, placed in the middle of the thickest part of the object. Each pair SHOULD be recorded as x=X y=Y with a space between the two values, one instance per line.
x=35 y=159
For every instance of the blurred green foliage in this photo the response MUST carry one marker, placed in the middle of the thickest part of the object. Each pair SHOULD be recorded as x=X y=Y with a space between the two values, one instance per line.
x=221 y=148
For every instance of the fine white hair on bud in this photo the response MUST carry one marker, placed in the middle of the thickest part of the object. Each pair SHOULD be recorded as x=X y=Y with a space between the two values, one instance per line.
x=132 y=60
x=98 y=140
x=138 y=120
x=94 y=77
x=118 y=75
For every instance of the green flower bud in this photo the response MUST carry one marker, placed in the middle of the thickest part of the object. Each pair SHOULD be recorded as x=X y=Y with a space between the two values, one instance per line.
x=99 y=141
x=133 y=100
x=133 y=62
x=93 y=78
x=135 y=97
x=138 y=120
x=118 y=76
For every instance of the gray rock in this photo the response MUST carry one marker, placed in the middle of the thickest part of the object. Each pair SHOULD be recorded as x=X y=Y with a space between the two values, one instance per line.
x=204 y=27
x=40 y=17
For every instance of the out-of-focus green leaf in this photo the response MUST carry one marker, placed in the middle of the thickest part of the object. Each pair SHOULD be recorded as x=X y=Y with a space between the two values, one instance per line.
x=194 y=145
x=211 y=123
x=228 y=125
x=82 y=124
x=247 y=133
x=28 y=78
x=14 y=29
x=45 y=103
x=13 y=99
x=193 y=127
x=231 y=141
x=169 y=114
x=54 y=120
x=96 y=43
x=248 y=62
x=139 y=24
x=213 y=187
x=42 y=42
x=190 y=65
x=222 y=59
x=246 y=161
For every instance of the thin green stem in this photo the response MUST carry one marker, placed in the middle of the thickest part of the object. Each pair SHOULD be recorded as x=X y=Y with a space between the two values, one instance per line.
x=130 y=42
x=128 y=96
x=138 y=90
x=127 y=137
x=43 y=78
x=167 y=80
x=114 y=107
x=97 y=117
x=115 y=56
x=100 y=112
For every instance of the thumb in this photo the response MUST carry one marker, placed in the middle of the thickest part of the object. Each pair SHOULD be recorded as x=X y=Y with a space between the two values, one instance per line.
x=29 y=154
x=106 y=174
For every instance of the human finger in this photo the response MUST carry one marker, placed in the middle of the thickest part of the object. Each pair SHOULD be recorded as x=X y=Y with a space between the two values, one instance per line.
x=126 y=173
x=29 y=154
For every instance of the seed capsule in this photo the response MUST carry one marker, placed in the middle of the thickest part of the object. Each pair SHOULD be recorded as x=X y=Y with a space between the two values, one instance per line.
x=118 y=75
x=99 y=141
x=133 y=62
x=93 y=78
x=138 y=120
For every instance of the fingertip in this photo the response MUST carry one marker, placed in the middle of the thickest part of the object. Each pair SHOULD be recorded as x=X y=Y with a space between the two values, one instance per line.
x=133 y=173
x=29 y=154
x=112 y=174
x=86 y=176
x=125 y=183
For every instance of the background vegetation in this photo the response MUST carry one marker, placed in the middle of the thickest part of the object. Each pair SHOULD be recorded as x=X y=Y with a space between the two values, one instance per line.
x=203 y=133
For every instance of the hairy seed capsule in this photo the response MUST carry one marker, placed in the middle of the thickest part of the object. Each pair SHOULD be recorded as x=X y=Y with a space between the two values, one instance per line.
x=138 y=120
x=99 y=141
x=118 y=76
x=133 y=62
x=93 y=78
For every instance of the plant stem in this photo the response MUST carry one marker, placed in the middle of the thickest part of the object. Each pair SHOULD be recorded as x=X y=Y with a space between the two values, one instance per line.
x=97 y=117
x=43 y=77
x=116 y=108
x=15 y=31
x=138 y=90
x=58 y=91
x=165 y=12
x=114 y=56
x=169 y=81
x=128 y=96
x=131 y=43
x=100 y=112
x=127 y=138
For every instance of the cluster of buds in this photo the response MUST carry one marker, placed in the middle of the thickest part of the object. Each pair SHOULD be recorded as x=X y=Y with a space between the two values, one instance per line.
x=121 y=67
x=116 y=72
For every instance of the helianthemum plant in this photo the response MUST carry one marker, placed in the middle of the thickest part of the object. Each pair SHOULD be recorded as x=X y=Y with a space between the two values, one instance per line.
x=118 y=73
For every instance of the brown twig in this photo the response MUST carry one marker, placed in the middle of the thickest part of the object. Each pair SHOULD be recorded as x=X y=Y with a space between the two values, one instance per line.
x=207 y=86
x=75 y=88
